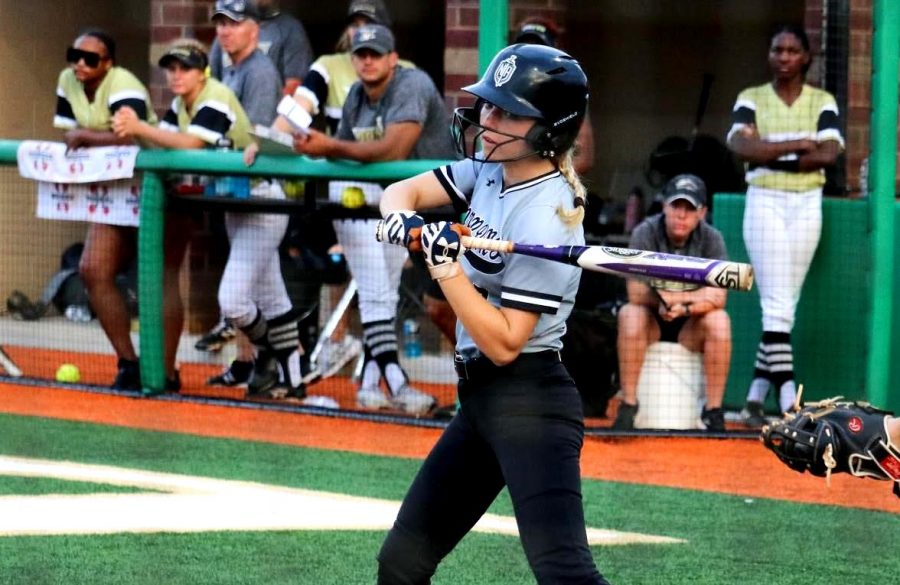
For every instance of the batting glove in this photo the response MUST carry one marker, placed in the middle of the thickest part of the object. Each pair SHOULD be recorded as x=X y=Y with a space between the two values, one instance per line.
x=396 y=227
x=442 y=246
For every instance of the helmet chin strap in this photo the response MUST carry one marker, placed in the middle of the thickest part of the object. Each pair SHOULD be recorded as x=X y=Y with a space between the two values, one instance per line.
x=512 y=138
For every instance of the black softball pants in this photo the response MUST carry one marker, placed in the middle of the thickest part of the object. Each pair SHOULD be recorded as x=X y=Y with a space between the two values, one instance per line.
x=522 y=426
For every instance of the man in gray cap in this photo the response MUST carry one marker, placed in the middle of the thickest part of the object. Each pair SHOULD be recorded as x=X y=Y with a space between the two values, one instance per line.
x=659 y=310
x=391 y=113
x=249 y=73
x=282 y=39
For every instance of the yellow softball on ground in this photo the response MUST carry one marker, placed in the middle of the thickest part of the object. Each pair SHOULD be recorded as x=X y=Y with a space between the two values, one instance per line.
x=68 y=373
x=353 y=197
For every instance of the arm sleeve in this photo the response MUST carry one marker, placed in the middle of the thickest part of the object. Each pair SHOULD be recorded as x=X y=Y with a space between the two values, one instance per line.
x=829 y=123
x=169 y=120
x=127 y=91
x=315 y=86
x=533 y=284
x=211 y=122
x=64 y=116
x=743 y=114
x=458 y=180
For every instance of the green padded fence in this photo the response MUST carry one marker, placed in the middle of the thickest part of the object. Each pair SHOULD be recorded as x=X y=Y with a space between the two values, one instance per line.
x=832 y=328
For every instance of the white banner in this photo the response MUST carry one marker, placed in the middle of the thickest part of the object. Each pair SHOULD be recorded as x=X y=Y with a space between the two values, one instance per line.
x=49 y=161
x=110 y=202
x=88 y=184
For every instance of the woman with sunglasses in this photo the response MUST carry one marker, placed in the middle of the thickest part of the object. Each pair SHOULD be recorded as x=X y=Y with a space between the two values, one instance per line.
x=520 y=422
x=89 y=92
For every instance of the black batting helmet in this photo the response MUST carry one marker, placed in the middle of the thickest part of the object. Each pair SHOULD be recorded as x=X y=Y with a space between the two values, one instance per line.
x=535 y=81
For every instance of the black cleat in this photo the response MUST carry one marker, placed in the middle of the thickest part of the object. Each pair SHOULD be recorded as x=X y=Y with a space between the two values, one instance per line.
x=234 y=375
x=713 y=419
x=129 y=375
x=625 y=417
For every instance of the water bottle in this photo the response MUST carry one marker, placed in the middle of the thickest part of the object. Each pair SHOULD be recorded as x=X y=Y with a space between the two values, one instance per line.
x=228 y=186
x=412 y=342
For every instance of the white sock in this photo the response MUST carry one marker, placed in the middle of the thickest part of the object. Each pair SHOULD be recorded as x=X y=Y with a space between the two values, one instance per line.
x=759 y=388
x=371 y=375
x=395 y=377
x=786 y=395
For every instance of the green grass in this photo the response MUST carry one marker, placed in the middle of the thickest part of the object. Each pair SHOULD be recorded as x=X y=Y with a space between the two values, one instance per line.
x=31 y=486
x=730 y=540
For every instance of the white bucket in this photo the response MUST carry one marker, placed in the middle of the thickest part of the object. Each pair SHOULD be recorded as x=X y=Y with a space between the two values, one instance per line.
x=670 y=388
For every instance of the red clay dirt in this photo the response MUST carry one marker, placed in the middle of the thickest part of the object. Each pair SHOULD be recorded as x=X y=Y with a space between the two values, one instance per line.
x=736 y=466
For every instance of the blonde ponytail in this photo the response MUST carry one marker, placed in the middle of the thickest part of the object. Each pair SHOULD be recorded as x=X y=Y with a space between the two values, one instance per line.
x=572 y=217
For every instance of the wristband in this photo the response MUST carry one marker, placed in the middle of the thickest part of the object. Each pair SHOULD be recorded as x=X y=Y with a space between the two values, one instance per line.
x=444 y=271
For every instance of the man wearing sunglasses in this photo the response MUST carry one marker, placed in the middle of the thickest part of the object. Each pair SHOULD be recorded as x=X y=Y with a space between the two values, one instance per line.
x=89 y=92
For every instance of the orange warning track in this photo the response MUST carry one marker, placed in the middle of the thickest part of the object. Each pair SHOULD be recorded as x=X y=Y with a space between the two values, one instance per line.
x=739 y=467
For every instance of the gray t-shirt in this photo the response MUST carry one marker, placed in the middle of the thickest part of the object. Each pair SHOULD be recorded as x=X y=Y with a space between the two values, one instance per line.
x=410 y=97
x=283 y=40
x=705 y=242
x=524 y=213
x=255 y=83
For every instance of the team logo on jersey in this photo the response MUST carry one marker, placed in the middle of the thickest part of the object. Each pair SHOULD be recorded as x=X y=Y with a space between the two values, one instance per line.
x=484 y=261
x=505 y=70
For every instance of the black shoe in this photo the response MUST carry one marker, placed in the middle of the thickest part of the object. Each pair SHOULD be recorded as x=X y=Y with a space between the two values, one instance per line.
x=625 y=417
x=265 y=374
x=173 y=384
x=713 y=419
x=445 y=412
x=129 y=375
x=754 y=414
x=217 y=337
x=235 y=374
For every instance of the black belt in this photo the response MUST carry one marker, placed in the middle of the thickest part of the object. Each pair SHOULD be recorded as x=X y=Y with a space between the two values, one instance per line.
x=482 y=367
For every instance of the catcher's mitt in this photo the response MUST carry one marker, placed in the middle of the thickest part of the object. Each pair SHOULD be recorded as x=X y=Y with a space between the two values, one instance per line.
x=836 y=436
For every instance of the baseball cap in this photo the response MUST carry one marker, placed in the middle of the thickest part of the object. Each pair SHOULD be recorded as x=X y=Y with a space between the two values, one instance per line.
x=189 y=56
x=236 y=10
x=536 y=33
x=688 y=187
x=375 y=37
x=374 y=10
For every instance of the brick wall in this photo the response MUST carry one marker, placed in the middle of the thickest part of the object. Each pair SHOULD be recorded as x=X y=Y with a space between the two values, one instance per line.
x=859 y=90
x=461 y=38
x=170 y=20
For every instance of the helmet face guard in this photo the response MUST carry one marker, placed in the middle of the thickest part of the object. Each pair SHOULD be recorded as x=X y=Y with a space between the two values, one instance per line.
x=467 y=130
x=538 y=82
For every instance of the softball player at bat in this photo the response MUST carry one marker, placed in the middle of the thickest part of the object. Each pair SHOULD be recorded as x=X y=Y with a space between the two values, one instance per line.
x=520 y=421
x=787 y=132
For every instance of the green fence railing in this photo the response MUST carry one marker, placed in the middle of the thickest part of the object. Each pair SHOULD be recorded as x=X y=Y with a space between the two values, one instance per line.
x=155 y=164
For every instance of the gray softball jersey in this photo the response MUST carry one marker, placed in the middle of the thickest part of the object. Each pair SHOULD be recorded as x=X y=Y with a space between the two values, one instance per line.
x=523 y=213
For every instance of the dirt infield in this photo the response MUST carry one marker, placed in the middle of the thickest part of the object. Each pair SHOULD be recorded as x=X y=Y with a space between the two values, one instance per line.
x=740 y=467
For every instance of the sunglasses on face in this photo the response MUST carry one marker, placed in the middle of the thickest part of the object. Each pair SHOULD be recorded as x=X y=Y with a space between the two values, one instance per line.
x=90 y=59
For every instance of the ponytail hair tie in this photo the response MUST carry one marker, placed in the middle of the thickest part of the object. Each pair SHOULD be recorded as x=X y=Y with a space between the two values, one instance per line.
x=579 y=202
